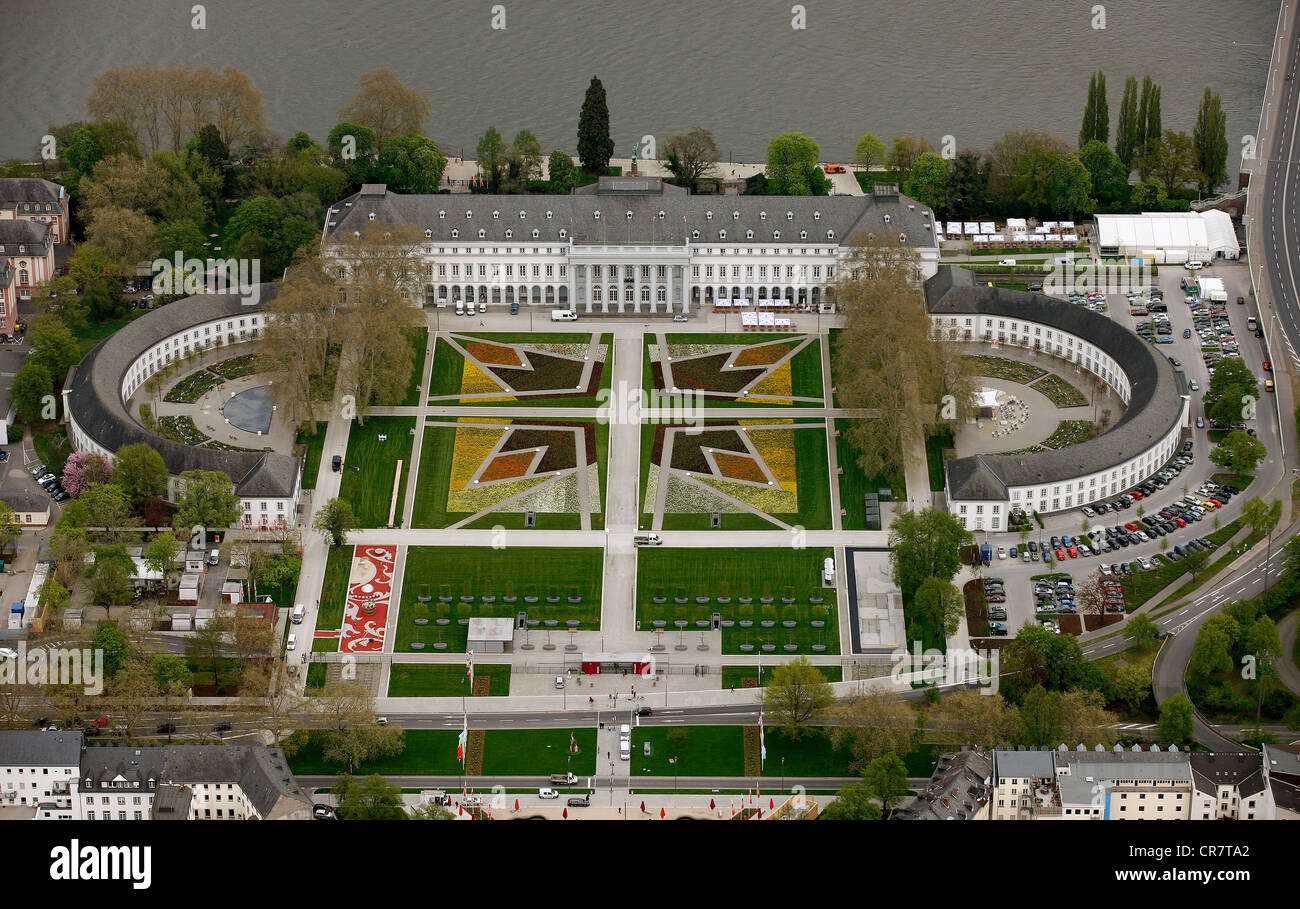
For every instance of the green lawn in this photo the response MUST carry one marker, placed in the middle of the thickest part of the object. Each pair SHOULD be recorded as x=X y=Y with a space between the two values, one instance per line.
x=91 y=333
x=506 y=752
x=805 y=366
x=370 y=489
x=419 y=344
x=720 y=751
x=50 y=441
x=334 y=588
x=436 y=680
x=449 y=366
x=854 y=484
x=315 y=443
x=1140 y=587
x=445 y=575
x=691 y=574
x=734 y=676
x=934 y=446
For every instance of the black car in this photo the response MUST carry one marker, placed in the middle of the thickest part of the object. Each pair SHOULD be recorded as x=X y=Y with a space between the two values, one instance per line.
x=1034 y=285
x=579 y=801
x=336 y=463
x=223 y=726
x=166 y=728
x=644 y=711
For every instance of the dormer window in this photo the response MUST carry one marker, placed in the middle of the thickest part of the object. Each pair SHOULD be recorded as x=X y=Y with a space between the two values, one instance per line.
x=372 y=216
x=762 y=216
x=509 y=233
x=548 y=216
x=496 y=216
x=481 y=233
x=817 y=216
x=789 y=216
x=454 y=233
x=661 y=214
x=886 y=219
x=803 y=235
x=735 y=216
x=902 y=238
x=563 y=233
x=776 y=235
x=722 y=235
x=629 y=216
x=469 y=213
x=695 y=235
x=523 y=215
x=442 y=214
x=427 y=234
x=708 y=216
x=536 y=233
x=596 y=215
x=749 y=235
x=830 y=235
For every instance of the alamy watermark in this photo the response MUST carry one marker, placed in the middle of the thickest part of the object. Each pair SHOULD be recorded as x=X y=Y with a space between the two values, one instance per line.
x=207 y=276
x=959 y=666
x=627 y=405
x=82 y=667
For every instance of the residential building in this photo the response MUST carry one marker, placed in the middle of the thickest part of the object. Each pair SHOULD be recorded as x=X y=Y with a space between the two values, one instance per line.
x=35 y=199
x=1229 y=787
x=28 y=248
x=38 y=773
x=1024 y=785
x=959 y=789
x=1281 y=765
x=30 y=509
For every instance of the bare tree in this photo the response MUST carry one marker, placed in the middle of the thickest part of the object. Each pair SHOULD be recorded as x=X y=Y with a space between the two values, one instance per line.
x=387 y=106
x=690 y=157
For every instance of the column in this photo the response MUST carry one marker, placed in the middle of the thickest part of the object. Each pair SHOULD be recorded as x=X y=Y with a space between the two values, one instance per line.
x=636 y=288
x=670 y=285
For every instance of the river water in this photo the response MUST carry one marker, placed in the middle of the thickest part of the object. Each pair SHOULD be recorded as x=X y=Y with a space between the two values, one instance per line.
x=970 y=69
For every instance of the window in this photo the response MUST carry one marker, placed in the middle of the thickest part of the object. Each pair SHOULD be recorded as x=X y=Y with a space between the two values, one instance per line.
x=629 y=215
x=695 y=235
x=762 y=216
x=523 y=215
x=776 y=235
x=469 y=213
x=454 y=233
x=735 y=216
x=372 y=216
x=536 y=233
x=708 y=216
x=548 y=216
x=428 y=233
x=817 y=216
x=722 y=235
x=563 y=233
x=481 y=233
x=789 y=216
x=803 y=235
x=596 y=215
x=661 y=214
x=509 y=233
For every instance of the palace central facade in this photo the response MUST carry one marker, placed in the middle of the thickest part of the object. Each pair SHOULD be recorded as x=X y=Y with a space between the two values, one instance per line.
x=634 y=244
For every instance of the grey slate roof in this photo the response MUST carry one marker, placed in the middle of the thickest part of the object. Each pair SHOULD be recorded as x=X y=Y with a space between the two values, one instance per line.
x=25 y=501
x=14 y=191
x=958 y=789
x=1155 y=406
x=39 y=748
x=172 y=803
x=682 y=214
x=1241 y=769
x=1023 y=764
x=94 y=398
x=19 y=237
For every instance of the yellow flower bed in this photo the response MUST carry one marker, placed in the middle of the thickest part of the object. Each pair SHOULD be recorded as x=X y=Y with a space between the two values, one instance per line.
x=770 y=499
x=478 y=498
x=474 y=381
x=777 y=382
x=776 y=446
x=471 y=446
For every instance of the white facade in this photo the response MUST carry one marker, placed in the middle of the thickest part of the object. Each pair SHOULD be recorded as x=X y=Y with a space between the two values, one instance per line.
x=1108 y=480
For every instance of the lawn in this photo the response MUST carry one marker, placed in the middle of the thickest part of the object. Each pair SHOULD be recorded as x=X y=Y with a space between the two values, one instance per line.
x=1060 y=392
x=334 y=588
x=720 y=751
x=437 y=680
x=369 y=468
x=449 y=367
x=419 y=349
x=91 y=333
x=1140 y=587
x=432 y=752
x=680 y=578
x=1003 y=368
x=854 y=484
x=734 y=676
x=805 y=370
x=50 y=440
x=315 y=443
x=497 y=583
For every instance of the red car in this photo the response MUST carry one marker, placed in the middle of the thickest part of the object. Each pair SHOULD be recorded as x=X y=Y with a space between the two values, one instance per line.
x=1180 y=522
x=1268 y=367
x=1074 y=553
x=1060 y=555
x=1131 y=527
x=99 y=721
x=1137 y=493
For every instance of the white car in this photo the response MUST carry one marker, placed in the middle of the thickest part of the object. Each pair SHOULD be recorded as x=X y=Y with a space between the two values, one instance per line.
x=1002 y=552
x=679 y=318
x=1006 y=261
x=1193 y=264
x=547 y=794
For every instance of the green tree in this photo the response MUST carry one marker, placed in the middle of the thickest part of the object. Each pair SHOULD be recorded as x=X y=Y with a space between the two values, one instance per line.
x=140 y=472
x=1040 y=715
x=1170 y=159
x=939 y=606
x=791 y=159
x=886 y=779
x=1126 y=130
x=372 y=799
x=925 y=544
x=207 y=499
x=491 y=156
x=928 y=181
x=32 y=392
x=108 y=580
x=209 y=145
x=160 y=554
x=1210 y=137
x=1239 y=452
x=1214 y=646
x=796 y=694
x=595 y=147
x=170 y=672
x=1141 y=631
x=968 y=185
x=53 y=345
x=1096 y=113
x=1148 y=195
x=110 y=639
x=334 y=520
x=1109 y=175
x=1177 y=720
x=869 y=151
x=855 y=802
x=903 y=152
x=182 y=236
x=691 y=157
x=562 y=173
x=1132 y=687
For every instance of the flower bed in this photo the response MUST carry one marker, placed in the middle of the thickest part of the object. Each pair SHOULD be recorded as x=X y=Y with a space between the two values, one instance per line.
x=1060 y=392
x=192 y=387
x=181 y=429
x=508 y=467
x=1069 y=432
x=1002 y=368
x=736 y=467
x=763 y=355
x=493 y=353
x=237 y=367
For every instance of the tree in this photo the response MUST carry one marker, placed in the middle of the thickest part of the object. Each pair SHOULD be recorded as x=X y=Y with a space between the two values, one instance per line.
x=207 y=499
x=1084 y=717
x=595 y=147
x=53 y=345
x=411 y=164
x=1040 y=716
x=373 y=799
x=525 y=158
x=855 y=802
x=795 y=695
x=1053 y=182
x=334 y=520
x=1261 y=516
x=110 y=639
x=131 y=690
x=491 y=155
x=886 y=779
x=925 y=544
x=968 y=186
x=690 y=157
x=108 y=580
x=386 y=106
x=1177 y=720
x=973 y=718
x=209 y=145
x=170 y=672
x=140 y=472
x=1170 y=159
x=123 y=235
x=1195 y=562
x=1210 y=137
x=927 y=182
x=32 y=392
x=870 y=725
x=791 y=159
x=1239 y=452
x=432 y=811
x=1141 y=631
x=1127 y=130
x=869 y=152
x=10 y=529
x=938 y=605
x=1215 y=643
x=349 y=732
x=562 y=173
x=1109 y=175
x=1132 y=687
x=207 y=646
x=903 y=152
x=160 y=554
x=1096 y=114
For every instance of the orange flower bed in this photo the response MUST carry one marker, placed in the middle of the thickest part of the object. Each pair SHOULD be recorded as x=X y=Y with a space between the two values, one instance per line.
x=493 y=353
x=761 y=356
x=508 y=467
x=738 y=467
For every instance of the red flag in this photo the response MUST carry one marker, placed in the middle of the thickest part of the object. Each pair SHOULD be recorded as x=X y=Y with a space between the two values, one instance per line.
x=643 y=806
x=733 y=810
x=711 y=804
x=516 y=804
x=771 y=804
x=662 y=814
x=460 y=809
x=760 y=814
x=566 y=814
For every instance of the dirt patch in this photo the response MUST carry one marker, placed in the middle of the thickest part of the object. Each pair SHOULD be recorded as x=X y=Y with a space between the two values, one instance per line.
x=753 y=756
x=474 y=749
x=1069 y=623
x=977 y=609
x=1093 y=622
x=687 y=448
x=707 y=373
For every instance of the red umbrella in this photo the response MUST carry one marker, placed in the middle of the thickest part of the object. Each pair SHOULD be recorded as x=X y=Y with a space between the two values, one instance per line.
x=771 y=803
x=760 y=814
x=566 y=814
x=662 y=814
x=711 y=806
x=643 y=807
x=460 y=809
x=516 y=804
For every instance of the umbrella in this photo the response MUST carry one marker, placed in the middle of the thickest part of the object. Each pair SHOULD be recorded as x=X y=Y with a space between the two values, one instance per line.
x=460 y=809
x=643 y=807
x=760 y=814
x=662 y=814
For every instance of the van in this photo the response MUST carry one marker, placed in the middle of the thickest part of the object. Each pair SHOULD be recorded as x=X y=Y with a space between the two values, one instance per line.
x=514 y=309
x=828 y=571
x=559 y=681
x=563 y=315
x=214 y=557
x=460 y=308
x=648 y=539
x=293 y=642
x=625 y=733
x=625 y=750
x=297 y=615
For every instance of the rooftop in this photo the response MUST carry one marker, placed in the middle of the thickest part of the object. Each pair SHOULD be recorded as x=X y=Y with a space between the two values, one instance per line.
x=39 y=748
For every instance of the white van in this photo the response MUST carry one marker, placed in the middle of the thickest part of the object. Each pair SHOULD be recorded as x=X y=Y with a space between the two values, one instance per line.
x=625 y=733
x=297 y=615
x=563 y=315
x=1006 y=261
x=214 y=557
x=828 y=571
x=1193 y=264
x=625 y=750
x=460 y=307
x=293 y=642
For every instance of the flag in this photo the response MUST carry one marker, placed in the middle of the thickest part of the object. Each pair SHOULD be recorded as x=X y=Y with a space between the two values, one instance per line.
x=762 y=747
x=461 y=741
x=469 y=669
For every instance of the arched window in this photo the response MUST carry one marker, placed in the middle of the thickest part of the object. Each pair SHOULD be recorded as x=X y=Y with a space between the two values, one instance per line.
x=789 y=216
x=442 y=214
x=536 y=233
x=722 y=235
x=469 y=213
x=749 y=235
x=496 y=216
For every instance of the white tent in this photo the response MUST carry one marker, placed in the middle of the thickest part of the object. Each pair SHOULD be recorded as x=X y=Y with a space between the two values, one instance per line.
x=987 y=227
x=748 y=318
x=1181 y=235
x=972 y=228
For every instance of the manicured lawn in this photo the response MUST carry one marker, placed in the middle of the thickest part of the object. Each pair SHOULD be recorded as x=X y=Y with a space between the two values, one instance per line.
x=1140 y=587
x=91 y=333
x=734 y=676
x=445 y=575
x=315 y=446
x=435 y=680
x=737 y=574
x=370 y=489
x=432 y=752
x=448 y=366
x=720 y=751
x=419 y=344
x=334 y=588
x=854 y=484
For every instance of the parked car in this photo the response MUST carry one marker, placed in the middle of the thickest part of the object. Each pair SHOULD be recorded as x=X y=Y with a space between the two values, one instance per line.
x=547 y=794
